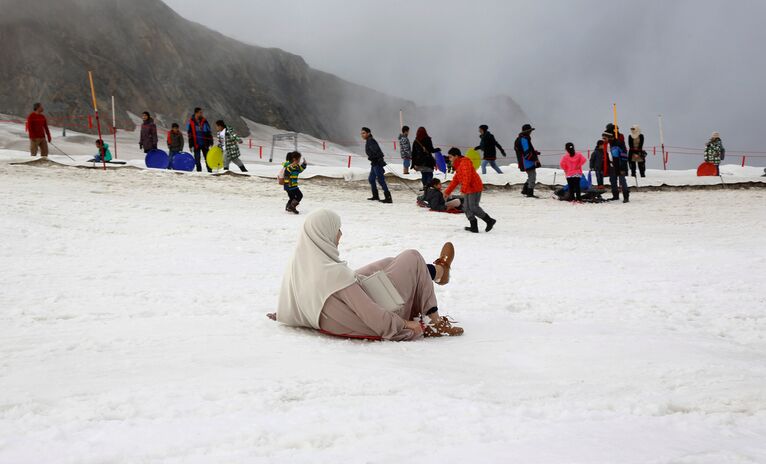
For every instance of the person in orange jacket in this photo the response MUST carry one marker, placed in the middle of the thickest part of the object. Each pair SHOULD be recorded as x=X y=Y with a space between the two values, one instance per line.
x=471 y=187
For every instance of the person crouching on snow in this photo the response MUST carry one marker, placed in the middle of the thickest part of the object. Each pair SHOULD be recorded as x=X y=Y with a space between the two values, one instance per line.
x=572 y=163
x=435 y=199
x=471 y=187
x=292 y=168
x=103 y=152
x=229 y=141
x=175 y=143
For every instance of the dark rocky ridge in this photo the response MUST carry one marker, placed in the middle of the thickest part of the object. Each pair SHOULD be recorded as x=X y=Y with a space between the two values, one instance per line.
x=152 y=59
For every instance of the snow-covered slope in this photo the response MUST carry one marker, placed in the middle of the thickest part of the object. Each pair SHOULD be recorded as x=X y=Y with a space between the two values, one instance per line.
x=132 y=328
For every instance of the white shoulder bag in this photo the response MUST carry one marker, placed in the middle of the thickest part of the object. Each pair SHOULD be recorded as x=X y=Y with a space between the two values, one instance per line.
x=382 y=291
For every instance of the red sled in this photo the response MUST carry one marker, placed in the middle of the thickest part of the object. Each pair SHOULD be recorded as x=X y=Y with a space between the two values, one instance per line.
x=707 y=169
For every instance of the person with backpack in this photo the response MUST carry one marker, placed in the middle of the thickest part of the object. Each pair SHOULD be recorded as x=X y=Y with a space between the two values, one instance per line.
x=471 y=187
x=229 y=142
x=619 y=168
x=422 y=156
x=405 y=149
x=571 y=163
x=200 y=138
x=636 y=153
x=148 y=140
x=489 y=147
x=377 y=167
x=528 y=159
x=715 y=152
x=175 y=143
x=291 y=169
x=37 y=129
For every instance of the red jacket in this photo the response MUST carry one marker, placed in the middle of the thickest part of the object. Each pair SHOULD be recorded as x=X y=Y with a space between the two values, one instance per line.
x=37 y=126
x=466 y=177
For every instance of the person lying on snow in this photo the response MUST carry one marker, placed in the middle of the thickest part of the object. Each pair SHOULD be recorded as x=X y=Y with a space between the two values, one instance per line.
x=321 y=292
x=435 y=200
x=103 y=152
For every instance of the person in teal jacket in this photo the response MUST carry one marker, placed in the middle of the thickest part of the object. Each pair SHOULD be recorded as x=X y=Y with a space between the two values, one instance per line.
x=103 y=152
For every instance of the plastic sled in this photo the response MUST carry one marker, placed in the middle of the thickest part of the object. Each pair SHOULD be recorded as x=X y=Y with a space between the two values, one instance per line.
x=183 y=162
x=475 y=157
x=214 y=158
x=156 y=159
x=706 y=169
x=585 y=184
x=441 y=163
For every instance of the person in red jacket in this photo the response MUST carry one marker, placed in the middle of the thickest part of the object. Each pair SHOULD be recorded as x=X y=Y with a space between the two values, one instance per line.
x=471 y=187
x=39 y=134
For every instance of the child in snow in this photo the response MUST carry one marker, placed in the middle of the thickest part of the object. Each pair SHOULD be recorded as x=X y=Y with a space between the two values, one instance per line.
x=175 y=143
x=572 y=163
x=229 y=141
x=471 y=187
x=405 y=149
x=435 y=199
x=714 y=151
x=292 y=168
x=103 y=152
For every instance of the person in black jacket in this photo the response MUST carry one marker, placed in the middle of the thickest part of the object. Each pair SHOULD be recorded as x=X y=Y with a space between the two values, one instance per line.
x=377 y=166
x=488 y=147
x=422 y=156
x=597 y=163
x=528 y=159
x=435 y=199
x=636 y=153
x=175 y=143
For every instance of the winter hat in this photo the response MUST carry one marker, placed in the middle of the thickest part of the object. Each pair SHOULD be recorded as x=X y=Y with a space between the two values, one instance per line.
x=570 y=148
x=715 y=135
x=526 y=128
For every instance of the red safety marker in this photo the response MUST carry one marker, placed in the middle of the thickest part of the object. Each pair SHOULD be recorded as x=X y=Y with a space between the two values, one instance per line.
x=349 y=161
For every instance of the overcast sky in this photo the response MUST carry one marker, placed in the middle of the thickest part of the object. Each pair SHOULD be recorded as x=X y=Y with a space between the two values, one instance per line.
x=699 y=63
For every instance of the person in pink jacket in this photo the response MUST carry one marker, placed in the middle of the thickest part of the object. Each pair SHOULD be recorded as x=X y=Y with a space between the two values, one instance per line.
x=572 y=163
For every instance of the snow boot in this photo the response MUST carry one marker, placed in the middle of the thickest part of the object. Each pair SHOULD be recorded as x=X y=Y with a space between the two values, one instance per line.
x=442 y=328
x=525 y=190
x=474 y=226
x=627 y=198
x=291 y=207
x=444 y=260
x=490 y=222
x=531 y=193
x=374 y=196
x=386 y=197
x=242 y=169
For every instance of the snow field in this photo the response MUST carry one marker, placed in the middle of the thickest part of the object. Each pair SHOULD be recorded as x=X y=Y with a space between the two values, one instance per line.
x=132 y=328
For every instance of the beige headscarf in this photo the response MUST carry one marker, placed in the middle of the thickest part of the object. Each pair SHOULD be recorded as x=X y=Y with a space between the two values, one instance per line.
x=314 y=272
x=635 y=130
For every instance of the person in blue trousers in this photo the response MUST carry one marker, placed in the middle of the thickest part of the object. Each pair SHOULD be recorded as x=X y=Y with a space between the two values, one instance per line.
x=489 y=147
x=377 y=167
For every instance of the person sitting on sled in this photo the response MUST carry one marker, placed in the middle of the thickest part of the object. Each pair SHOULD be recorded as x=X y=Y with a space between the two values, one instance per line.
x=103 y=152
x=435 y=200
x=321 y=292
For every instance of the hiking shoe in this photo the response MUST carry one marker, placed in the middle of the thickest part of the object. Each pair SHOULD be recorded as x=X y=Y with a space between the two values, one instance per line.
x=442 y=328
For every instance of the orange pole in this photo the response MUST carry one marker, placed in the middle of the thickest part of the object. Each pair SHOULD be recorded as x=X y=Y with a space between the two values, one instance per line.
x=98 y=121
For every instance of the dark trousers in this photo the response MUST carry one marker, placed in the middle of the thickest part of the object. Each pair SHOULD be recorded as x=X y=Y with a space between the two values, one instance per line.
x=599 y=178
x=200 y=154
x=641 y=168
x=614 y=175
x=574 y=188
x=377 y=174
x=294 y=195
x=426 y=178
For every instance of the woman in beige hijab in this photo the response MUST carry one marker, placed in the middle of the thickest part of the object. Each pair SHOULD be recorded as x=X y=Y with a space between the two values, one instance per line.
x=320 y=291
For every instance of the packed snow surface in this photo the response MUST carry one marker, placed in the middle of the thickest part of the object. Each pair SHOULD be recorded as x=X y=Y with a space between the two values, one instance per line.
x=133 y=328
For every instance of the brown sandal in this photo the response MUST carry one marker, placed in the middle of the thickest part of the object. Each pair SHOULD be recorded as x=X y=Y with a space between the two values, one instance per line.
x=445 y=261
